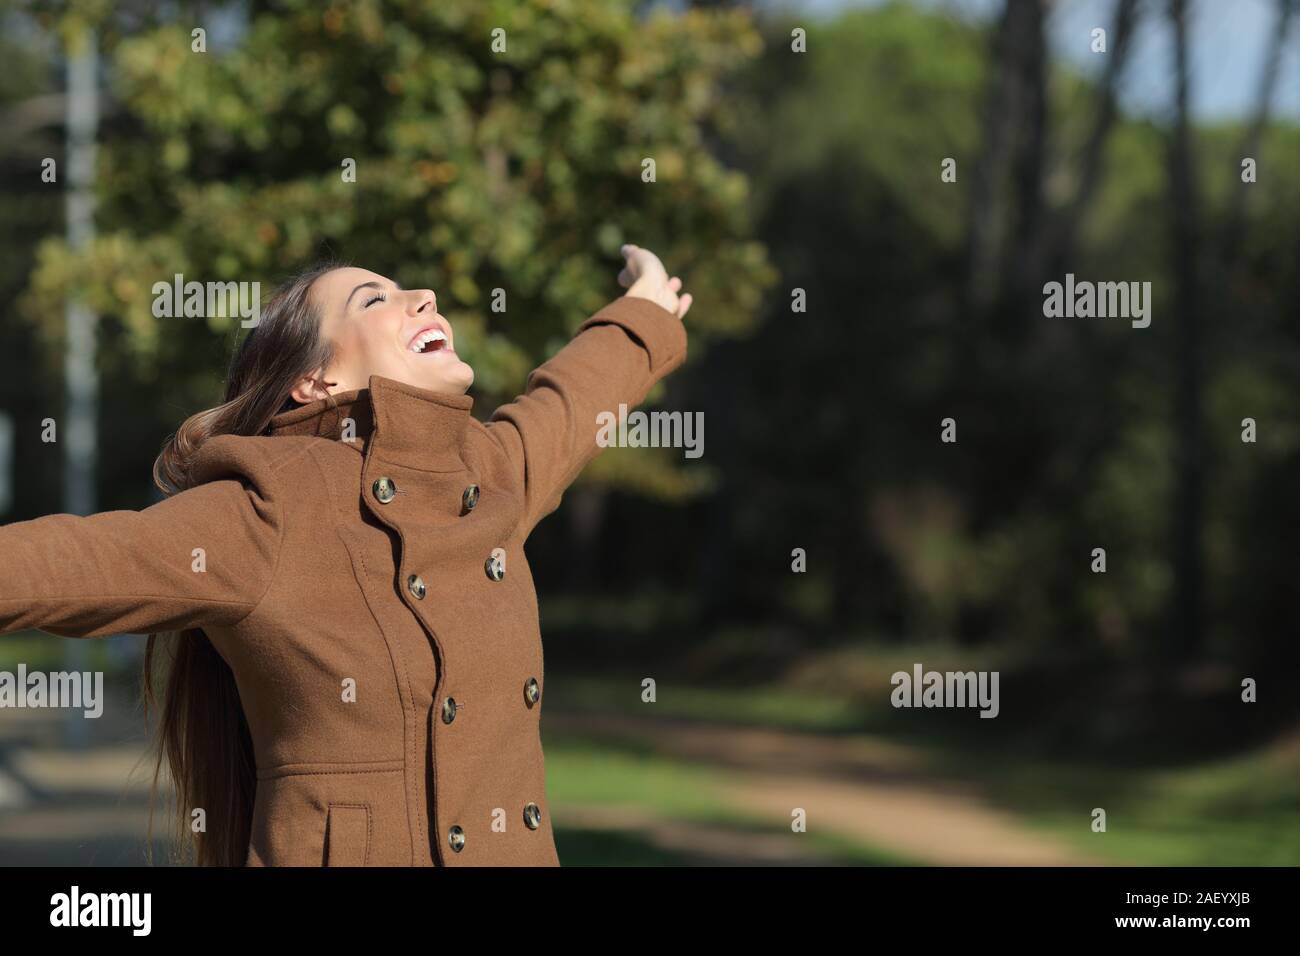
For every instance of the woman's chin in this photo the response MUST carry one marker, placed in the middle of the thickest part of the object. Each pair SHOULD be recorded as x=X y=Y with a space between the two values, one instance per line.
x=456 y=378
x=463 y=374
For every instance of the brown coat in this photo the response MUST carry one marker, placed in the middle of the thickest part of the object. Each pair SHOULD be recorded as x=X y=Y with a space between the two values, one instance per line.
x=337 y=560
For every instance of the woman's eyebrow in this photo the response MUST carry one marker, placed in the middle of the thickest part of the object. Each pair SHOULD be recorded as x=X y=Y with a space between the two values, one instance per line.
x=366 y=285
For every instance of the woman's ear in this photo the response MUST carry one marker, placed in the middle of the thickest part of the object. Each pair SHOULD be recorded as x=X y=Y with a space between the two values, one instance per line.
x=311 y=388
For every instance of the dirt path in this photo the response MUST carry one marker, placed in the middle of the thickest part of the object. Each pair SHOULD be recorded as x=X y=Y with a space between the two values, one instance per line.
x=872 y=790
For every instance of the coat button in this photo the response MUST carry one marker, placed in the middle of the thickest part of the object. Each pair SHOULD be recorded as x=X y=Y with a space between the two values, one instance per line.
x=495 y=567
x=532 y=691
x=470 y=498
x=385 y=490
x=532 y=816
x=416 y=584
x=448 y=709
x=456 y=837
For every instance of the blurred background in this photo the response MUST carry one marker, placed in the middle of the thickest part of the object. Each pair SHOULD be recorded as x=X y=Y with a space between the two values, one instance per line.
x=847 y=301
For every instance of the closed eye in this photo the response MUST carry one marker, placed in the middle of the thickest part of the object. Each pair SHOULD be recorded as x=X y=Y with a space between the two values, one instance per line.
x=372 y=301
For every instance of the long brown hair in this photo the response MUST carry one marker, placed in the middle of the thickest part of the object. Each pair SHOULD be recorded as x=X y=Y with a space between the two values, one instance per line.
x=202 y=731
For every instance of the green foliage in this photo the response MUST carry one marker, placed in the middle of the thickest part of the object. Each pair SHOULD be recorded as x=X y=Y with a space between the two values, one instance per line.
x=1066 y=429
x=476 y=169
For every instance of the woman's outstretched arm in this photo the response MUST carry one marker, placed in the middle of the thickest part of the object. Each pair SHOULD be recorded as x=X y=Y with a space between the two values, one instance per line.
x=203 y=556
x=615 y=357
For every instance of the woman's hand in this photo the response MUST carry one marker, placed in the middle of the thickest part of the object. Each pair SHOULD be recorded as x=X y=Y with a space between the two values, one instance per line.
x=645 y=277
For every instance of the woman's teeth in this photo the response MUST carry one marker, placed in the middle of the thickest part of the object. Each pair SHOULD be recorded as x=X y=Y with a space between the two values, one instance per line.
x=430 y=341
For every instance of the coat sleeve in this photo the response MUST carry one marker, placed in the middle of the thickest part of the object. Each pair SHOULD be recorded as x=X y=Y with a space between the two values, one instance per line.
x=204 y=556
x=615 y=357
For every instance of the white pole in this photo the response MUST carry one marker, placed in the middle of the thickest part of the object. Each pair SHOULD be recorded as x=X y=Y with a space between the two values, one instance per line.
x=81 y=384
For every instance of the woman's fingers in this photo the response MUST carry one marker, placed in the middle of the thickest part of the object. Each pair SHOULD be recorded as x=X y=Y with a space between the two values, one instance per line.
x=645 y=263
x=633 y=267
x=643 y=266
x=636 y=258
x=681 y=302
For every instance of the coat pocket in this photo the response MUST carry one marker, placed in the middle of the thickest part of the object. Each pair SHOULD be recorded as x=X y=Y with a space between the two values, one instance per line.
x=347 y=834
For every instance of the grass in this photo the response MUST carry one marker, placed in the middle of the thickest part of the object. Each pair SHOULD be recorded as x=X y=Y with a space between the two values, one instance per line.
x=581 y=773
x=759 y=707
x=1242 y=811
x=1164 y=806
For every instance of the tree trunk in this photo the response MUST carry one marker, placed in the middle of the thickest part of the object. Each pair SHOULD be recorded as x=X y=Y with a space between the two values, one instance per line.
x=1185 y=634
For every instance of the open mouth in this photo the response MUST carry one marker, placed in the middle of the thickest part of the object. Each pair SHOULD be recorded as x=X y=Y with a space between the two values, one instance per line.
x=430 y=340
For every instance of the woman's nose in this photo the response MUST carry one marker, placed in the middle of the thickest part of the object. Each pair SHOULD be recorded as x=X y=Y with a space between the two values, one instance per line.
x=425 y=301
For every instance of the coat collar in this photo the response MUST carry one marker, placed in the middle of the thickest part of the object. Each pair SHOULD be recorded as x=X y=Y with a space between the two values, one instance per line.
x=389 y=420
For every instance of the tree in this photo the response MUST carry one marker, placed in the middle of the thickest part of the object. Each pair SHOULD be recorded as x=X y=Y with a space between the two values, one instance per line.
x=499 y=150
x=1186 y=621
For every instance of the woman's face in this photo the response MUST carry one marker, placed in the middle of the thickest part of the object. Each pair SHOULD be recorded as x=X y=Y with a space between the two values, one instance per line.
x=380 y=329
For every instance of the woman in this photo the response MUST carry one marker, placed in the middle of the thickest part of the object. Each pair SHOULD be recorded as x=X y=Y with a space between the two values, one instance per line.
x=358 y=675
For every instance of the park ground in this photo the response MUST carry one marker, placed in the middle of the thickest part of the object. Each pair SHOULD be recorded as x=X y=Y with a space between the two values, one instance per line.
x=709 y=775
